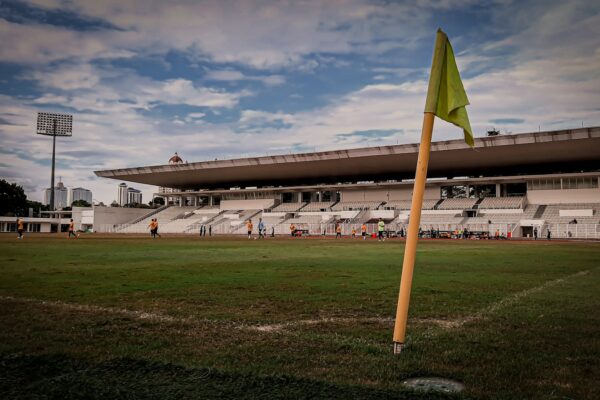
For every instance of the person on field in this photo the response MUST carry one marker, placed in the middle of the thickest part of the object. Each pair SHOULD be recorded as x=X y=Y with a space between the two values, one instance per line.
x=72 y=229
x=152 y=227
x=261 y=229
x=363 y=231
x=249 y=226
x=20 y=228
x=548 y=234
x=272 y=231
x=380 y=229
x=338 y=231
x=353 y=232
x=535 y=233
x=292 y=229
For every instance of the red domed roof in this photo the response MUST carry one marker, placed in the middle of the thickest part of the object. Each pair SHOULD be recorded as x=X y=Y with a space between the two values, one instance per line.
x=175 y=159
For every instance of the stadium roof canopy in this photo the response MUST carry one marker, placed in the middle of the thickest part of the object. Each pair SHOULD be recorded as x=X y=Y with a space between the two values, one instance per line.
x=564 y=151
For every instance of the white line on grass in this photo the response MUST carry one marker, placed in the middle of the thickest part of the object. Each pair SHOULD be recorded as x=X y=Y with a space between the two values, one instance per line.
x=494 y=307
x=278 y=327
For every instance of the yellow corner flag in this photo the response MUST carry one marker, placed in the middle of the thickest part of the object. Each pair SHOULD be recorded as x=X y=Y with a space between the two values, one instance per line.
x=447 y=99
x=446 y=95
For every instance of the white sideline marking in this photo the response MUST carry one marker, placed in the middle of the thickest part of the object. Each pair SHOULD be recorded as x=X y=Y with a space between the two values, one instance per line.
x=158 y=317
x=341 y=320
x=505 y=302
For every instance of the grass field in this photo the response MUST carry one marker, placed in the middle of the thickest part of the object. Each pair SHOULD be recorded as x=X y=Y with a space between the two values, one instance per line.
x=181 y=317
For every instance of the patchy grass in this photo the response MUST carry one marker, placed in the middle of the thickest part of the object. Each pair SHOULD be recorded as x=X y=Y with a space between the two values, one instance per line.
x=128 y=310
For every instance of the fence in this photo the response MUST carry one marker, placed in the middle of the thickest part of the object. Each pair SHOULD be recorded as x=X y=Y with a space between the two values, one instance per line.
x=558 y=231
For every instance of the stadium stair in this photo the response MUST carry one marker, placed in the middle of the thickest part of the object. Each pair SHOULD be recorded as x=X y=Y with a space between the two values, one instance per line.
x=539 y=212
x=145 y=216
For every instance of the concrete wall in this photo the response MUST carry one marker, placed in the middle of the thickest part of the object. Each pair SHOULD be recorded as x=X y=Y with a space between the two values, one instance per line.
x=563 y=196
x=117 y=215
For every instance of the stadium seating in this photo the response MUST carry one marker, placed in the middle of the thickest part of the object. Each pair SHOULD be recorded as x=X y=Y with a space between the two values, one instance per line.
x=356 y=205
x=457 y=204
x=406 y=204
x=288 y=207
x=318 y=206
x=502 y=203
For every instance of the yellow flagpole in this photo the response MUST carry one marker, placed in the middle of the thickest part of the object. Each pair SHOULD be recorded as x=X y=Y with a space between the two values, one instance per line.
x=413 y=233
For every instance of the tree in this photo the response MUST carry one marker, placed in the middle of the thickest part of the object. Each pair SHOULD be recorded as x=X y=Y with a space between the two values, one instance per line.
x=157 y=201
x=80 y=203
x=13 y=200
x=37 y=207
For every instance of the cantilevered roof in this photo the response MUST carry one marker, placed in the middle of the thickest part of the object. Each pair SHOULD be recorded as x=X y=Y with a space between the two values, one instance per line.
x=565 y=151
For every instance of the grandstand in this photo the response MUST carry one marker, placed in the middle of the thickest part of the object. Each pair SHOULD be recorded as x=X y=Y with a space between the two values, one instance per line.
x=514 y=184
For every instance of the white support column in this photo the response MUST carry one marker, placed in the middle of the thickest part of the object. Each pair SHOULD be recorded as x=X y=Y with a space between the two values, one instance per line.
x=498 y=190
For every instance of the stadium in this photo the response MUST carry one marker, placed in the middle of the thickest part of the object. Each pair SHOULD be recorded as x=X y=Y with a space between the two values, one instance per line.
x=521 y=185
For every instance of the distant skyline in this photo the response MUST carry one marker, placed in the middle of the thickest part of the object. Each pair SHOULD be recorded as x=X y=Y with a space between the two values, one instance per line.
x=222 y=79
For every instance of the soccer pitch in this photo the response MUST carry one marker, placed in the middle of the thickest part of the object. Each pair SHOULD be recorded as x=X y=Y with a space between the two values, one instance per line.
x=185 y=317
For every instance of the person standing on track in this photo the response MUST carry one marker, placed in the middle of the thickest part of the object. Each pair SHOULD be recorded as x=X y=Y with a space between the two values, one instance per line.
x=380 y=229
x=249 y=226
x=152 y=229
x=20 y=228
x=363 y=231
x=338 y=231
x=261 y=229
x=292 y=229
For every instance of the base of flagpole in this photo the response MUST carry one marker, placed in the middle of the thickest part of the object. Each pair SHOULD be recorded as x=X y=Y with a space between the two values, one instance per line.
x=398 y=347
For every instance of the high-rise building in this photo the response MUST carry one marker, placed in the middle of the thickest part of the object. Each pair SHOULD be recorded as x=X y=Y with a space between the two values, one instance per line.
x=122 y=194
x=60 y=196
x=134 y=196
x=80 y=194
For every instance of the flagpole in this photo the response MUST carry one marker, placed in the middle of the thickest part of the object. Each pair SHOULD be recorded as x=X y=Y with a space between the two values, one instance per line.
x=413 y=233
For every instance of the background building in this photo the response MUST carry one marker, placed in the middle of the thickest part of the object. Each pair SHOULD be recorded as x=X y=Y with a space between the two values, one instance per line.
x=509 y=185
x=134 y=196
x=80 y=194
x=60 y=196
x=122 y=194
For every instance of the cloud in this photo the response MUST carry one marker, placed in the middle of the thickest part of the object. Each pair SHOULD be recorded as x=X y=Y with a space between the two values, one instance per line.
x=507 y=121
x=261 y=34
x=231 y=75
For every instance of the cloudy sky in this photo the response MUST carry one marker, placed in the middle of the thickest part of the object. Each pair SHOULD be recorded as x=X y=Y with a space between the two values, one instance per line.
x=222 y=79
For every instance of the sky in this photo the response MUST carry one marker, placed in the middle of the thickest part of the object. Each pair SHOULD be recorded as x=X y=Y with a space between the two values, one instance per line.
x=225 y=79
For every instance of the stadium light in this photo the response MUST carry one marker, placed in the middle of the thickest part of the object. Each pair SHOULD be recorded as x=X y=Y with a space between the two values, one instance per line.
x=52 y=124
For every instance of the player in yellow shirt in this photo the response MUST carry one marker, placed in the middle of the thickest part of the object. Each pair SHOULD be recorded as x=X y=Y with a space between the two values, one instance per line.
x=338 y=231
x=292 y=229
x=353 y=232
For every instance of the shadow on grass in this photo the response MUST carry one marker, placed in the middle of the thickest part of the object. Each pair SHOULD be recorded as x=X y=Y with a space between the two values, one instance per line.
x=64 y=377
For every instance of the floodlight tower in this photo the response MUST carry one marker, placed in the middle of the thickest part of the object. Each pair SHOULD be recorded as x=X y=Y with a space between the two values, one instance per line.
x=52 y=124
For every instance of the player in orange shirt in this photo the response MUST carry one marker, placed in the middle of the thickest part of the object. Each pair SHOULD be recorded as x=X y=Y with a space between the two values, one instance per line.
x=249 y=226
x=363 y=230
x=338 y=231
x=72 y=229
x=353 y=232
x=20 y=228
x=292 y=229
